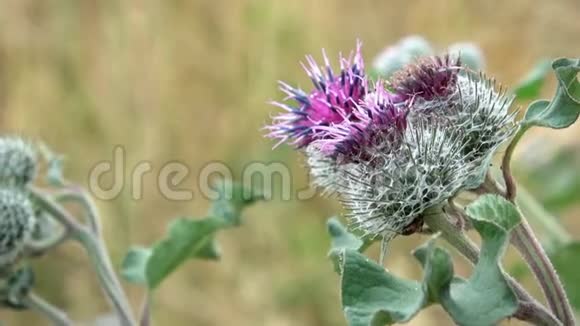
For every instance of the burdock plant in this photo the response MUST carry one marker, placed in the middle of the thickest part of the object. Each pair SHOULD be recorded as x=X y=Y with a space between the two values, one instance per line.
x=35 y=220
x=412 y=153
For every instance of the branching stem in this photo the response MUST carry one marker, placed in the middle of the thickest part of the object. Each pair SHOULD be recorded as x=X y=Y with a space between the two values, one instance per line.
x=529 y=309
x=97 y=252
x=524 y=239
x=56 y=316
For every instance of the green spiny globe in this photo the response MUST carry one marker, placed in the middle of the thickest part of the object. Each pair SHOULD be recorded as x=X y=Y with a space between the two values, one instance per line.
x=17 y=162
x=16 y=224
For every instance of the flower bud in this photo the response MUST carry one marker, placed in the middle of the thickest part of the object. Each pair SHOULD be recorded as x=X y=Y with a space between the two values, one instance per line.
x=469 y=54
x=16 y=223
x=415 y=46
x=17 y=162
x=393 y=58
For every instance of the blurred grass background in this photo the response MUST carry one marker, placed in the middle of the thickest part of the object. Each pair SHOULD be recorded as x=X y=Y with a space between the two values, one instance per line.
x=189 y=81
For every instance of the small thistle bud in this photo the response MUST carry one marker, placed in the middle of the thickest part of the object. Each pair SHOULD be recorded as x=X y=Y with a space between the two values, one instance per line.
x=395 y=57
x=470 y=55
x=415 y=46
x=17 y=223
x=17 y=162
x=332 y=100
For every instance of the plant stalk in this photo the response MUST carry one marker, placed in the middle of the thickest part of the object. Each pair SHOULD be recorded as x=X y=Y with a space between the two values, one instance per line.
x=510 y=183
x=558 y=236
x=77 y=194
x=526 y=242
x=97 y=252
x=529 y=309
x=56 y=316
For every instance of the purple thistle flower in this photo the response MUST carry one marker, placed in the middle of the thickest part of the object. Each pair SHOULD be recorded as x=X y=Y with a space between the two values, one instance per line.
x=377 y=122
x=429 y=78
x=332 y=101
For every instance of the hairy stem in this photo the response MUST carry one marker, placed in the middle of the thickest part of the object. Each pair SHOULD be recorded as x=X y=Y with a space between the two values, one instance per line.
x=524 y=240
x=558 y=236
x=97 y=252
x=40 y=247
x=76 y=193
x=529 y=309
x=59 y=213
x=56 y=316
x=145 y=314
x=510 y=183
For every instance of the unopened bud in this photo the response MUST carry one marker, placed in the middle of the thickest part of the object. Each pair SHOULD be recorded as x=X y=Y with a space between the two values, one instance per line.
x=16 y=223
x=17 y=162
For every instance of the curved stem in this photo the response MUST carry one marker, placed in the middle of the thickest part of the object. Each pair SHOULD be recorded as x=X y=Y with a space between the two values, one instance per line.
x=524 y=240
x=98 y=255
x=536 y=212
x=97 y=252
x=40 y=247
x=61 y=215
x=529 y=309
x=56 y=316
x=510 y=183
x=80 y=195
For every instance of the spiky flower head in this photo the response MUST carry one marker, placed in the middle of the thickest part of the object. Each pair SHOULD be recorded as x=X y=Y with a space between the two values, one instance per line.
x=17 y=162
x=467 y=102
x=379 y=120
x=17 y=223
x=404 y=147
x=332 y=100
x=384 y=199
x=428 y=79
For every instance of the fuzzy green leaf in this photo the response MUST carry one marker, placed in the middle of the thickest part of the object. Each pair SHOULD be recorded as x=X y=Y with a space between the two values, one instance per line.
x=530 y=86
x=485 y=297
x=567 y=262
x=134 y=265
x=188 y=238
x=373 y=296
x=210 y=251
x=341 y=238
x=564 y=108
x=231 y=199
x=437 y=269
x=495 y=210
